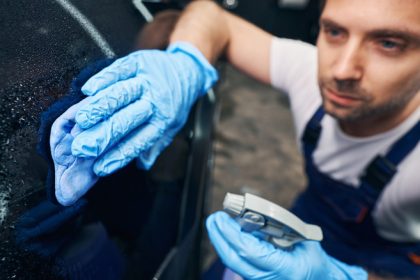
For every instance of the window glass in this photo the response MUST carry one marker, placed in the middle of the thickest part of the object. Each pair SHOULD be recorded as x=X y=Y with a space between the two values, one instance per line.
x=43 y=45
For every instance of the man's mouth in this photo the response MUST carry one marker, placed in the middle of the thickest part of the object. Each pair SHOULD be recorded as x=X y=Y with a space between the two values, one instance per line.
x=340 y=99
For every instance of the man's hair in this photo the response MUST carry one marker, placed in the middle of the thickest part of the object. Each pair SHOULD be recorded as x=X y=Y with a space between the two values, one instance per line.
x=322 y=4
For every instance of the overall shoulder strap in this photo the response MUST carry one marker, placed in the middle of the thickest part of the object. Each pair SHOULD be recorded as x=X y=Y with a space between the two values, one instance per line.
x=312 y=132
x=382 y=168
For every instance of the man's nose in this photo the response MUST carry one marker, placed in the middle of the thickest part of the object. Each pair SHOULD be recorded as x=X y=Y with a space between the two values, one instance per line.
x=349 y=63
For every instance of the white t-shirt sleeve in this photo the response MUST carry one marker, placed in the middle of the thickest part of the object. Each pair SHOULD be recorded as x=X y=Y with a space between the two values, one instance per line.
x=293 y=70
x=290 y=63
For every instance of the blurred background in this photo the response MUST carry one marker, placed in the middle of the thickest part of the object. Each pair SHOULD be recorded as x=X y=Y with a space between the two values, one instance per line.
x=255 y=146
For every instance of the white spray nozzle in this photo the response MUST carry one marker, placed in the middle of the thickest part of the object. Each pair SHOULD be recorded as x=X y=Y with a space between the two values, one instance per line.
x=281 y=227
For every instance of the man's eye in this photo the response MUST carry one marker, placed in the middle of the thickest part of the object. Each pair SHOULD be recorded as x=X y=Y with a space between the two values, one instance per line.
x=391 y=45
x=387 y=44
x=334 y=32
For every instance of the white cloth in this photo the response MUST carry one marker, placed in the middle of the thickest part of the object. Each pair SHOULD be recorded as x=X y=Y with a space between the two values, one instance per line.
x=293 y=69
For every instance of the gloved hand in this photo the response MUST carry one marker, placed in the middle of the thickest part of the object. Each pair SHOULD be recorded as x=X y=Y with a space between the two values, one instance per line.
x=74 y=176
x=256 y=259
x=138 y=104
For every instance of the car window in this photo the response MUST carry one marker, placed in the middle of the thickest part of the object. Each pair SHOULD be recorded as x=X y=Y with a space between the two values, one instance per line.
x=43 y=45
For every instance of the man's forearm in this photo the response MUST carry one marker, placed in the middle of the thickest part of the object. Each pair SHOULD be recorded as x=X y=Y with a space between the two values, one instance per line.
x=203 y=24
x=214 y=31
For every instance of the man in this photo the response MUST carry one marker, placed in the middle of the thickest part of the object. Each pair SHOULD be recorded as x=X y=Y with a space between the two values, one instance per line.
x=361 y=156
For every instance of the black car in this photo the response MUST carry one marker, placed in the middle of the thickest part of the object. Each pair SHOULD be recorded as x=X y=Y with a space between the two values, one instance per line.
x=148 y=215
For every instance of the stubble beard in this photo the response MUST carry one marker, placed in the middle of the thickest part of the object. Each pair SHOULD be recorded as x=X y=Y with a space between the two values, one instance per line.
x=366 y=110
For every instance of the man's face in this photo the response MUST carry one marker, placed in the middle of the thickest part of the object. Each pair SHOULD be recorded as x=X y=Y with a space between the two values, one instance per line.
x=369 y=59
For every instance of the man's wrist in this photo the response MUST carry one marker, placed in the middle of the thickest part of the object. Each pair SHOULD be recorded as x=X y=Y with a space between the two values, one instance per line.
x=210 y=75
x=340 y=270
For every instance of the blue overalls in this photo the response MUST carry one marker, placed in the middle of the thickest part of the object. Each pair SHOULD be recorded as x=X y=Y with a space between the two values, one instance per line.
x=345 y=213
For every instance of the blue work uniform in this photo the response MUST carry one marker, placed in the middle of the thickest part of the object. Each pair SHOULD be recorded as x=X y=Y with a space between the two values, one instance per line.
x=345 y=213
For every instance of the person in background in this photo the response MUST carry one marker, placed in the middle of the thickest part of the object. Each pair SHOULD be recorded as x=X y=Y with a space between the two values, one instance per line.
x=355 y=102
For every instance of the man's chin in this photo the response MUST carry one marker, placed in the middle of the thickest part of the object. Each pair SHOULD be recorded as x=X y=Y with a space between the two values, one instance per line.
x=341 y=113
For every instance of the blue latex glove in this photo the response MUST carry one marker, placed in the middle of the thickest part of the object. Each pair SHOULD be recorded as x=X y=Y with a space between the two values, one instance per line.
x=138 y=105
x=256 y=259
x=74 y=176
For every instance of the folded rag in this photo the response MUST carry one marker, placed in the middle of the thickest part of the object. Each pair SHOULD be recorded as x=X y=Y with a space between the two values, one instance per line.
x=60 y=173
